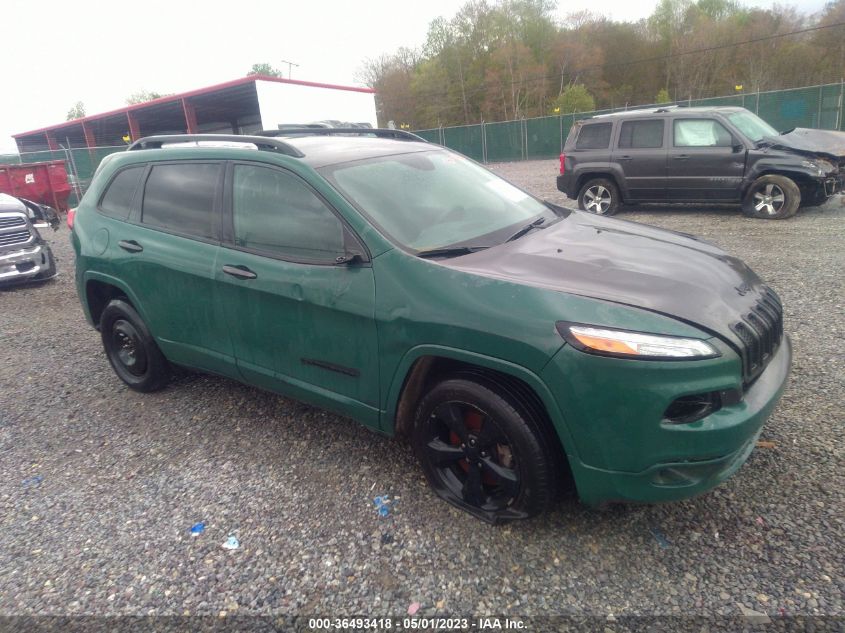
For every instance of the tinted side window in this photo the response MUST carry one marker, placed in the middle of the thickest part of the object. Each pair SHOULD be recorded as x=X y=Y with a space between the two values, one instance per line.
x=594 y=136
x=117 y=200
x=180 y=198
x=277 y=213
x=701 y=133
x=641 y=134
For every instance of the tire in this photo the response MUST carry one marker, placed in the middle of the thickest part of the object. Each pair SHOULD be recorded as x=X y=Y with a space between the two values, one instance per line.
x=599 y=196
x=481 y=454
x=131 y=349
x=772 y=198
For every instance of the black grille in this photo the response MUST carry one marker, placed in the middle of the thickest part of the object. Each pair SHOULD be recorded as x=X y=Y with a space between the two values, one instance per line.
x=760 y=331
x=14 y=237
x=6 y=223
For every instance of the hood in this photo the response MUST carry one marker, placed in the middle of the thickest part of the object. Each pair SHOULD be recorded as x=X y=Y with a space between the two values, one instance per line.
x=628 y=263
x=11 y=204
x=813 y=142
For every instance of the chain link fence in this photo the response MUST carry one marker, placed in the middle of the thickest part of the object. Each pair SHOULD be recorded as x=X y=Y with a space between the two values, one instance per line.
x=821 y=107
x=80 y=163
x=542 y=137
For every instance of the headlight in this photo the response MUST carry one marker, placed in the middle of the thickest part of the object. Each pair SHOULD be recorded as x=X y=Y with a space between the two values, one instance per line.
x=820 y=166
x=625 y=344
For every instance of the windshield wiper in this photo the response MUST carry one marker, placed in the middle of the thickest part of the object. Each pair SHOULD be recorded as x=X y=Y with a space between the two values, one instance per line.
x=525 y=229
x=451 y=251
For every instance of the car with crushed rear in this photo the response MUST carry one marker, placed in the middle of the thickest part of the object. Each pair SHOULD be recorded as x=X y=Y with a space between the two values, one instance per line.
x=521 y=347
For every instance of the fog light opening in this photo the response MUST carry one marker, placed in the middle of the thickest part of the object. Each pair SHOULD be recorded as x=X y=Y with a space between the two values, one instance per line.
x=692 y=408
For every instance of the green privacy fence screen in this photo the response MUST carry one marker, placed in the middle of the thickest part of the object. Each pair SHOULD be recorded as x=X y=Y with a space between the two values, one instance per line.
x=820 y=107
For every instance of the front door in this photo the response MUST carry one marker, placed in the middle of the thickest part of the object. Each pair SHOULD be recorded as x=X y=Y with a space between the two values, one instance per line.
x=641 y=155
x=300 y=322
x=703 y=162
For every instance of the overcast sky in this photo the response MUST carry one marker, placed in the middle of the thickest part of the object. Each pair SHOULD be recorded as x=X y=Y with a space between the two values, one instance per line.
x=101 y=51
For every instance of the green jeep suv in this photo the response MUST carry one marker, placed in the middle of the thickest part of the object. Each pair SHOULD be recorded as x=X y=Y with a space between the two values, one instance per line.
x=519 y=345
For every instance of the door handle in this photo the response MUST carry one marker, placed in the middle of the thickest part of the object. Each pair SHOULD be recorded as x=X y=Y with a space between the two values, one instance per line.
x=625 y=158
x=242 y=272
x=681 y=157
x=130 y=245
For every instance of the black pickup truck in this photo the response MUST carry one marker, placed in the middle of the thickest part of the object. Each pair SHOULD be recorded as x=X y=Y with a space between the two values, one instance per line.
x=711 y=154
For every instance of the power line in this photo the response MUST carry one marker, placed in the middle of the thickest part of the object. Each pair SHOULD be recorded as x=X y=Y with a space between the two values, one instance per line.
x=538 y=78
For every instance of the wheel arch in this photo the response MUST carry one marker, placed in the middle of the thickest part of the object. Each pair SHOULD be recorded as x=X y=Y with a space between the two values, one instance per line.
x=424 y=365
x=99 y=290
x=606 y=173
x=802 y=179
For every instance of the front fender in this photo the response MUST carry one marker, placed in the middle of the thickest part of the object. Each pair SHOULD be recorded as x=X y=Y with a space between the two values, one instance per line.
x=781 y=167
x=388 y=419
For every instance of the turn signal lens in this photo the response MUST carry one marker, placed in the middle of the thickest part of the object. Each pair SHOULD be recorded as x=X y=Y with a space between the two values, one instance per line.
x=634 y=344
x=562 y=164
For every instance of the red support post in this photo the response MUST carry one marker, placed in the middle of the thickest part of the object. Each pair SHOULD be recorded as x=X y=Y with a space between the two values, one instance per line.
x=190 y=116
x=90 y=140
x=51 y=141
x=134 y=127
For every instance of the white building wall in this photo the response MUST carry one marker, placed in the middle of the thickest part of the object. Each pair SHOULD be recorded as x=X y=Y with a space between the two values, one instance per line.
x=294 y=103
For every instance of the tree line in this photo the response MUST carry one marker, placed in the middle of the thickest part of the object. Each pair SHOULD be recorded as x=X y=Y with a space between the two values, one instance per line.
x=508 y=59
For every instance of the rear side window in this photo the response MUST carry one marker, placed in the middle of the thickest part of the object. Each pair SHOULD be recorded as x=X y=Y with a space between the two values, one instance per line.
x=180 y=198
x=117 y=200
x=594 y=136
x=278 y=214
x=641 y=134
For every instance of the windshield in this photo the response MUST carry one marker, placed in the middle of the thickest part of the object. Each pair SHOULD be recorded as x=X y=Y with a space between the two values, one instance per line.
x=433 y=199
x=751 y=125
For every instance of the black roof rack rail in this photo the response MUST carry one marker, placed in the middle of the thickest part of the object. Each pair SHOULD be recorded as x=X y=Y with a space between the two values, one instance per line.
x=329 y=131
x=261 y=142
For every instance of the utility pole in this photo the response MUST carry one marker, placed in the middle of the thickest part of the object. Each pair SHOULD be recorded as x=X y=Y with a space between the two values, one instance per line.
x=284 y=61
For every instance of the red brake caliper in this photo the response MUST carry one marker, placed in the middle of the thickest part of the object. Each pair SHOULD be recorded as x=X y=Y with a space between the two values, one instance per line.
x=472 y=422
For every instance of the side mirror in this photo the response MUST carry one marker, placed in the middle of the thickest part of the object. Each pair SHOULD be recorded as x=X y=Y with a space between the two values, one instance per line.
x=737 y=147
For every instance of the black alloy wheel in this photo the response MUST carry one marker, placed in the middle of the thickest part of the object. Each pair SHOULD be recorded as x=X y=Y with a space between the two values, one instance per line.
x=480 y=454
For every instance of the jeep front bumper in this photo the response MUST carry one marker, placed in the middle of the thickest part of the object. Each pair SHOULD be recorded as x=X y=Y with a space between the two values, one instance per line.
x=624 y=452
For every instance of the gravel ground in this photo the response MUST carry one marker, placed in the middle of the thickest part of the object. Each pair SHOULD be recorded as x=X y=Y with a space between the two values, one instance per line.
x=99 y=485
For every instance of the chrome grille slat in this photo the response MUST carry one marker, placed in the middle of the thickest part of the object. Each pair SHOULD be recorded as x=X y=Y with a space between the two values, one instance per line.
x=6 y=223
x=14 y=237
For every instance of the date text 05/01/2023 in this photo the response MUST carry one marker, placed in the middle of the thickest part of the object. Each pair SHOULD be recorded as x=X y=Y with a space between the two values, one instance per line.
x=417 y=624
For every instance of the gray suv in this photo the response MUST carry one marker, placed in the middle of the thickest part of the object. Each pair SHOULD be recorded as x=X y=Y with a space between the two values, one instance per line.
x=715 y=155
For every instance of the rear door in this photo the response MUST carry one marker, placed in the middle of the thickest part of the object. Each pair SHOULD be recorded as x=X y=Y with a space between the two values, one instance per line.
x=167 y=252
x=640 y=153
x=300 y=321
x=703 y=164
